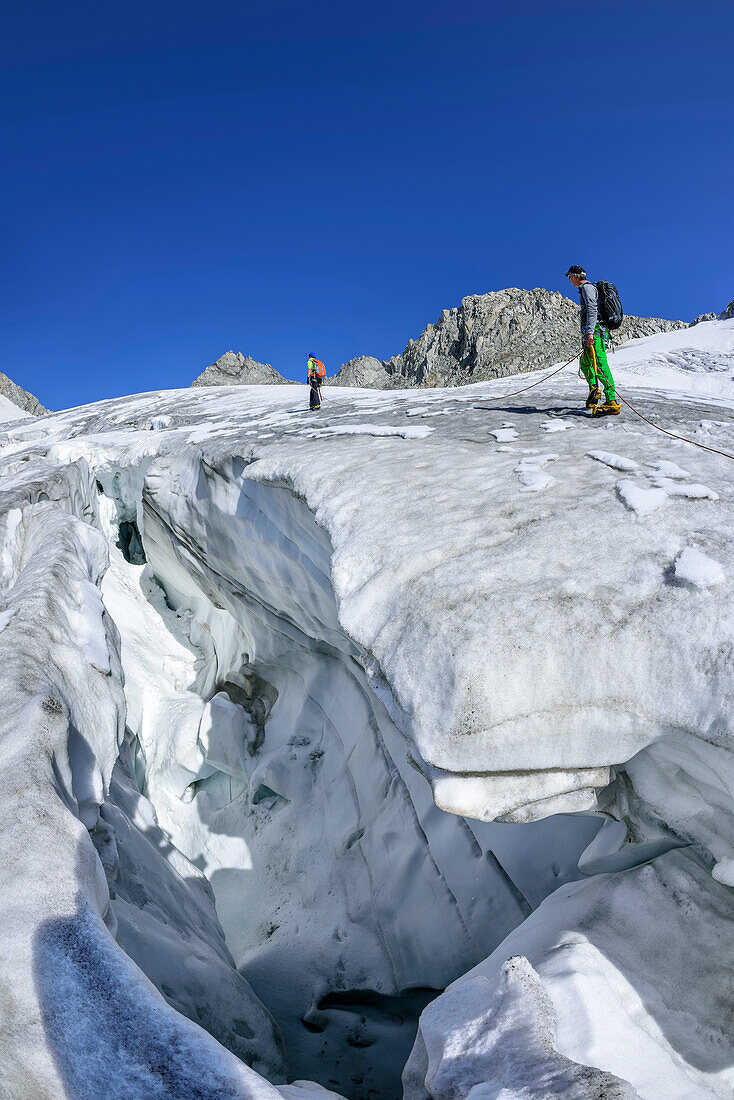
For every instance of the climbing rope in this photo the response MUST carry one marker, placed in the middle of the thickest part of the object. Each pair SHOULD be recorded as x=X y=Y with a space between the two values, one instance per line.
x=714 y=450
x=673 y=435
x=540 y=380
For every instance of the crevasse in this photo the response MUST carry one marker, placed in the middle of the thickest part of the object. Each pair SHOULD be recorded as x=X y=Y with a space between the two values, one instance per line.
x=346 y=898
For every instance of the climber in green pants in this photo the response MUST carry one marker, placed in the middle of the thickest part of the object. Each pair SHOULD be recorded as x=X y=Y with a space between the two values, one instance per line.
x=594 y=364
x=595 y=367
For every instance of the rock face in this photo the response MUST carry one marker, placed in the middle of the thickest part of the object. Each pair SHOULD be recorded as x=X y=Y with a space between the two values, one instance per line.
x=21 y=397
x=493 y=335
x=236 y=369
x=725 y=315
x=365 y=371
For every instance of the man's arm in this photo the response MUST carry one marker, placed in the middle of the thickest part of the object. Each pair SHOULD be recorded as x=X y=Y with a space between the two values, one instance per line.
x=591 y=301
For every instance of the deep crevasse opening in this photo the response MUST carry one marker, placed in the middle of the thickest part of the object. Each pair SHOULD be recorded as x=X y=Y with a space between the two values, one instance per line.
x=267 y=744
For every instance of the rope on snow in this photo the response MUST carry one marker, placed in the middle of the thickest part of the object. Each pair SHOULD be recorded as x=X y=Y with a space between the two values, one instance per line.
x=673 y=435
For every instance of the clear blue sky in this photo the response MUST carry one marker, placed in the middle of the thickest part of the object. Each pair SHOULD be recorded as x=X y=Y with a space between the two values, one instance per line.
x=183 y=178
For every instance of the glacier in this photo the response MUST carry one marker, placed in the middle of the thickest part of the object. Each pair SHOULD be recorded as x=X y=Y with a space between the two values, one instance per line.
x=309 y=719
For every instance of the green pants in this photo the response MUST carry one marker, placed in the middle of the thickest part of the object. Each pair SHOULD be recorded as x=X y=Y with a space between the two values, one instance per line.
x=601 y=373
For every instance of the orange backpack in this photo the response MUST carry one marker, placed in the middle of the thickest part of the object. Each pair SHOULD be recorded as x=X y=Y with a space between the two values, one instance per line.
x=320 y=368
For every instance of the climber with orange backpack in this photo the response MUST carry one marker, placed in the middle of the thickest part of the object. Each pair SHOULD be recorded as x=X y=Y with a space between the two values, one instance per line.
x=316 y=375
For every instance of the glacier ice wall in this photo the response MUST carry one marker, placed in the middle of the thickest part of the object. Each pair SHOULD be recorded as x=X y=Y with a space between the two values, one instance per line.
x=79 y=1018
x=348 y=928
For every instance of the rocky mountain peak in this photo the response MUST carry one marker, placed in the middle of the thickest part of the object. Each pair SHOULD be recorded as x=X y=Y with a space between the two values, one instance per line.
x=363 y=371
x=20 y=397
x=236 y=369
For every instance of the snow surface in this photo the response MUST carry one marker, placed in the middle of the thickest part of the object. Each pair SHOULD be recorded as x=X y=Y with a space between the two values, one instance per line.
x=9 y=411
x=305 y=631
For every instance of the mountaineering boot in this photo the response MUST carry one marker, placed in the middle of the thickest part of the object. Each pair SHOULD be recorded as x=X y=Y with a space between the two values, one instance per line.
x=594 y=397
x=609 y=408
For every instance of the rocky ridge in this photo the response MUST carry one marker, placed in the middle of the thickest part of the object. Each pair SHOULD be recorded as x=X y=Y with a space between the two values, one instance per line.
x=21 y=397
x=490 y=336
x=725 y=315
x=362 y=371
x=236 y=369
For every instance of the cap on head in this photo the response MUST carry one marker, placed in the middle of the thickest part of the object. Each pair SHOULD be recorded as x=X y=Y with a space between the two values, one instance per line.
x=311 y=355
x=575 y=270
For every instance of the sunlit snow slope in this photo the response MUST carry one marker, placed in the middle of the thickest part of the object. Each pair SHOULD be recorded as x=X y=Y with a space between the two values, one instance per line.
x=249 y=655
x=9 y=411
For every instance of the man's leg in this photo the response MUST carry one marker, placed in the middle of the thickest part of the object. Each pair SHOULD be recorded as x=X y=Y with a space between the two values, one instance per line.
x=603 y=372
x=587 y=368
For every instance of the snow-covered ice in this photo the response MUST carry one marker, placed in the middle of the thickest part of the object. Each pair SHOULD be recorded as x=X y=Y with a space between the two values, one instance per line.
x=248 y=657
x=9 y=411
